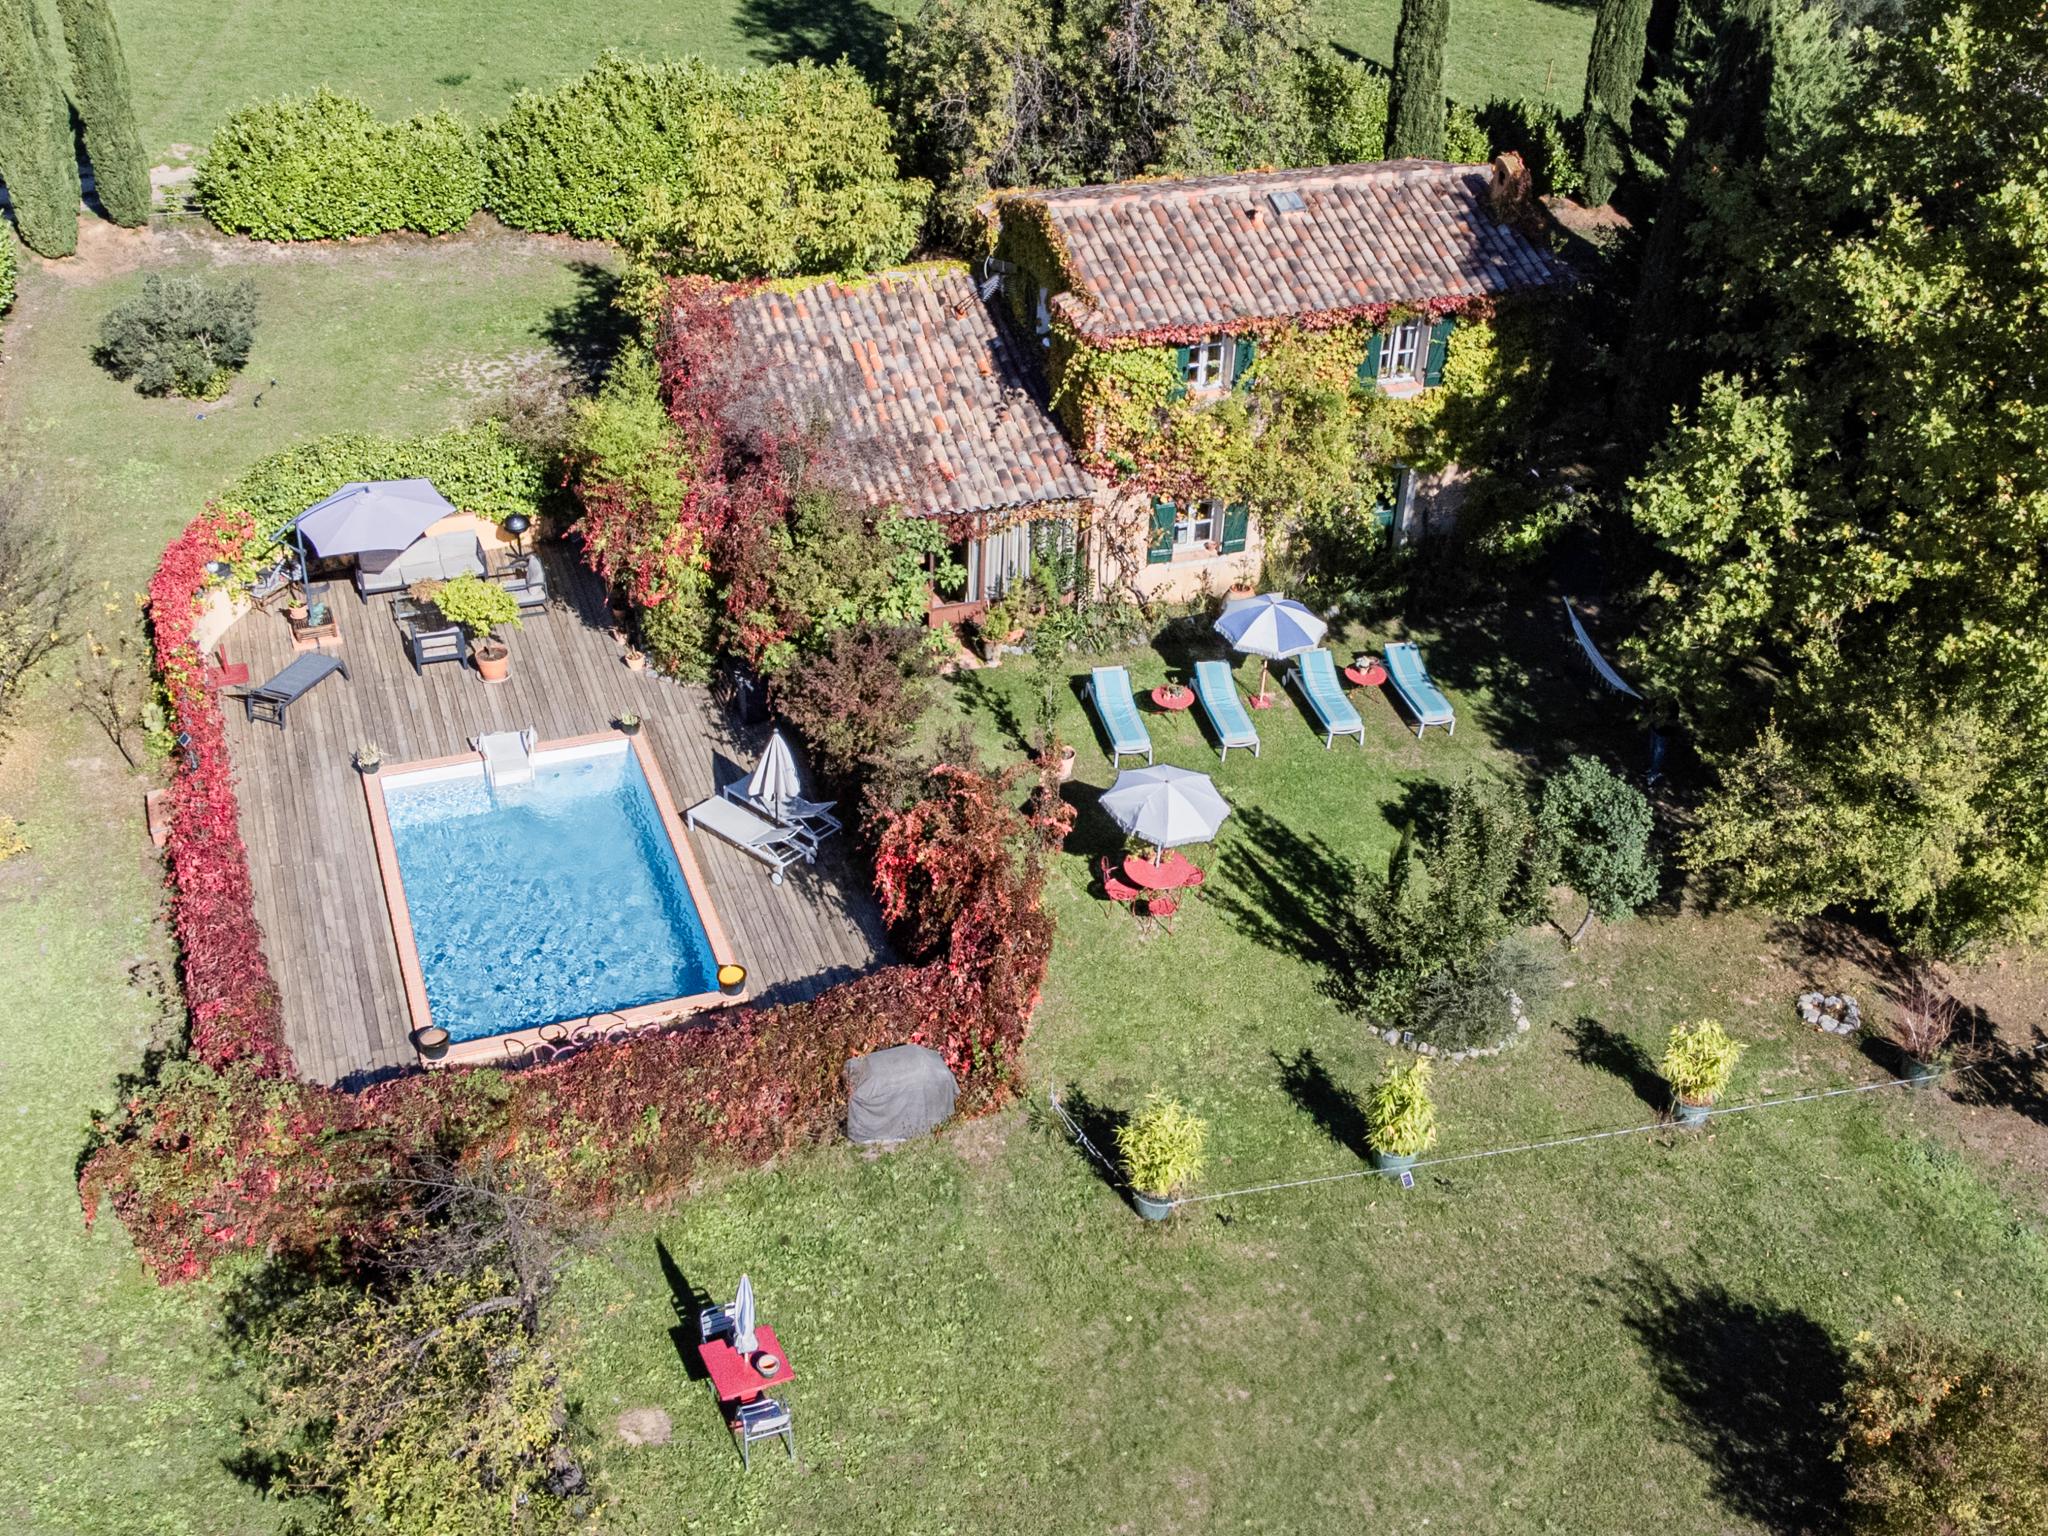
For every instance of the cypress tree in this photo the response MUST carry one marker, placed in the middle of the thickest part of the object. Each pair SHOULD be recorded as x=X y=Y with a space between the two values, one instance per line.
x=1615 y=66
x=99 y=84
x=38 y=159
x=1415 y=110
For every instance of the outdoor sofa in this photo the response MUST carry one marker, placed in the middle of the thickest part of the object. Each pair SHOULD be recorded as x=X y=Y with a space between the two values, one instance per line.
x=441 y=558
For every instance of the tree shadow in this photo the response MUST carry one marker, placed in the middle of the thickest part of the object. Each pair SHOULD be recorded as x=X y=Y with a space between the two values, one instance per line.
x=2003 y=1076
x=1284 y=891
x=587 y=331
x=1751 y=1386
x=792 y=30
x=1335 y=1108
x=1595 y=1045
x=686 y=1300
x=979 y=696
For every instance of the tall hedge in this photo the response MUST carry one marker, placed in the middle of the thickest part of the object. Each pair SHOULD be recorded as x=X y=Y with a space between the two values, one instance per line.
x=100 y=92
x=759 y=172
x=324 y=168
x=1614 y=69
x=6 y=271
x=38 y=161
x=1415 y=112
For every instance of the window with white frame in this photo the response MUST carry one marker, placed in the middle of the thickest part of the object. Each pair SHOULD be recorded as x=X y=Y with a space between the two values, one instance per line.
x=1401 y=352
x=1208 y=364
x=1198 y=522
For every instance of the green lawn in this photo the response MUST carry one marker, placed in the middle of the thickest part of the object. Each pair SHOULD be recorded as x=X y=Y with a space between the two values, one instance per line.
x=193 y=61
x=118 y=1421
x=1610 y=1338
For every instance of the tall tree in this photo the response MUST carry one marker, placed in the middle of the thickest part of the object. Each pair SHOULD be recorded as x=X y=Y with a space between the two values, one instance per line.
x=1415 y=115
x=38 y=160
x=1853 y=525
x=106 y=105
x=1614 y=68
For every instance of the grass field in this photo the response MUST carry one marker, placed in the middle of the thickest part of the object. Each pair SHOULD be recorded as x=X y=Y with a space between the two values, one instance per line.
x=193 y=62
x=119 y=1422
x=1610 y=1338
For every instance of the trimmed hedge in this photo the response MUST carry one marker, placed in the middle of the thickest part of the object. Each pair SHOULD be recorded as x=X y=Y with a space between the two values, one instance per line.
x=1544 y=136
x=481 y=469
x=323 y=168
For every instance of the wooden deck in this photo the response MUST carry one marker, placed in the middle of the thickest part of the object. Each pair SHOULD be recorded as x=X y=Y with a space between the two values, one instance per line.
x=318 y=895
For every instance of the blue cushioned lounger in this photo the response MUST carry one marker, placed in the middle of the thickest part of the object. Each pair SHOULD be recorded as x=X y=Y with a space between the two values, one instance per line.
x=1217 y=690
x=1109 y=689
x=1411 y=680
x=1315 y=674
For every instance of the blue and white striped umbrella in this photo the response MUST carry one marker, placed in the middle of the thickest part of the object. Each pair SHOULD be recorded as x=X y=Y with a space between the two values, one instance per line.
x=1270 y=626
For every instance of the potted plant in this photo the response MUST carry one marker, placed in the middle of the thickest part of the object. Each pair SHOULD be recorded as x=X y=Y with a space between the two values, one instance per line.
x=480 y=606
x=369 y=758
x=1050 y=746
x=629 y=724
x=1921 y=1028
x=998 y=626
x=1161 y=1147
x=1698 y=1062
x=1400 y=1117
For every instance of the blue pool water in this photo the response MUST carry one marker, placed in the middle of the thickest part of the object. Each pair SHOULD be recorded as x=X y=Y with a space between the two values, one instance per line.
x=545 y=901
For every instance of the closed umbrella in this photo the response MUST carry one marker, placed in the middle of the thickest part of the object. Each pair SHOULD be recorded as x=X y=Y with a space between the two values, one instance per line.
x=1166 y=806
x=743 y=1317
x=774 y=782
x=1271 y=627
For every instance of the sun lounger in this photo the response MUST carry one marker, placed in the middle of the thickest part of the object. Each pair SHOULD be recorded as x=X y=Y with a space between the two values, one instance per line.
x=1411 y=680
x=814 y=818
x=1109 y=690
x=777 y=847
x=1315 y=674
x=306 y=673
x=1217 y=691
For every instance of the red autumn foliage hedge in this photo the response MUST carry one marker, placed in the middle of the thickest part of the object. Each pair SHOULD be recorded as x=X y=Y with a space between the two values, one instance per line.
x=228 y=1152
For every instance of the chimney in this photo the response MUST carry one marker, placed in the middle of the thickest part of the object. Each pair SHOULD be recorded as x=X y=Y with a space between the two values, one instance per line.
x=1510 y=196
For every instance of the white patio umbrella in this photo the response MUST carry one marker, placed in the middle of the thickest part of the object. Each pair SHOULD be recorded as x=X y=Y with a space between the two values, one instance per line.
x=743 y=1317
x=1271 y=627
x=774 y=782
x=1166 y=806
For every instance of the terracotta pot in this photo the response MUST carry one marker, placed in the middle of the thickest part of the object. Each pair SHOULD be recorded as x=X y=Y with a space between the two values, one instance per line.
x=636 y=660
x=1068 y=757
x=493 y=660
x=296 y=615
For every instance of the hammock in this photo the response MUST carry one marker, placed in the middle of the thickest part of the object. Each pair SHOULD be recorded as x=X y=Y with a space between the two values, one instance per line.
x=1608 y=675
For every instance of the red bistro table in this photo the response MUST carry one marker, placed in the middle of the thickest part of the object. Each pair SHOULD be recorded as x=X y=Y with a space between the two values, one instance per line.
x=1171 y=698
x=1365 y=673
x=1169 y=874
x=733 y=1376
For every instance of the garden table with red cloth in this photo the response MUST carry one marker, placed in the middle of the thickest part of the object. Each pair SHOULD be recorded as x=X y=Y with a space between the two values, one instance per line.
x=1169 y=874
x=1366 y=672
x=733 y=1376
x=1173 y=698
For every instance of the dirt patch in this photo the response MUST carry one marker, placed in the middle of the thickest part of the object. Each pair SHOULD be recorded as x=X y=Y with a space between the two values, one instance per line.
x=979 y=1143
x=645 y=1426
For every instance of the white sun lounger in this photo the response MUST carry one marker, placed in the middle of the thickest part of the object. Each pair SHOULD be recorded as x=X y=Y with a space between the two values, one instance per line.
x=751 y=832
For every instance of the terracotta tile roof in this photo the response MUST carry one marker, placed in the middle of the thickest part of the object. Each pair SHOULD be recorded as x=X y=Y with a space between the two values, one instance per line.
x=943 y=407
x=1206 y=254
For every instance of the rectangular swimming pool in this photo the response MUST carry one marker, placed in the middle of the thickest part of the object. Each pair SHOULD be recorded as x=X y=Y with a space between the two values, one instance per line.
x=556 y=900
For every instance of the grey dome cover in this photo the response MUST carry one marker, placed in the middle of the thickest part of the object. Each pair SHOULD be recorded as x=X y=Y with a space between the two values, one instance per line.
x=894 y=1094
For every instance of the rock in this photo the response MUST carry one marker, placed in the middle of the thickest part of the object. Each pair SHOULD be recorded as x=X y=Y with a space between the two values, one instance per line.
x=1521 y=1026
x=645 y=1426
x=1392 y=1037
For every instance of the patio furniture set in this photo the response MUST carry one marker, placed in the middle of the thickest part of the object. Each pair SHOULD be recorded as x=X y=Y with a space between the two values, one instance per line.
x=767 y=815
x=744 y=1361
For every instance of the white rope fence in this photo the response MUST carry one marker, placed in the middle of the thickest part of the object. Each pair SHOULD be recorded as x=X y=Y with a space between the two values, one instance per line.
x=1116 y=1177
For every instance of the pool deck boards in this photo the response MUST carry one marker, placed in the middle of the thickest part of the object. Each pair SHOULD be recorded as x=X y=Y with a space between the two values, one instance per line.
x=319 y=897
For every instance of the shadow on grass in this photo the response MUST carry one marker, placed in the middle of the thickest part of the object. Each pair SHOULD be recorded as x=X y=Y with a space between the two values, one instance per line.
x=1282 y=890
x=686 y=1299
x=1099 y=1123
x=1751 y=1386
x=2004 y=1076
x=1595 y=1045
x=791 y=30
x=1335 y=1108
x=586 y=332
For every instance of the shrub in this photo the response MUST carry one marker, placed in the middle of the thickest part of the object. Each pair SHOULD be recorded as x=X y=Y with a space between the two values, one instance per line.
x=1400 y=1115
x=1923 y=1019
x=1699 y=1061
x=1465 y=141
x=1162 y=1147
x=7 y=271
x=323 y=168
x=1466 y=1004
x=859 y=700
x=1541 y=133
x=1593 y=827
x=479 y=606
x=180 y=337
x=480 y=469
x=767 y=172
x=1938 y=1438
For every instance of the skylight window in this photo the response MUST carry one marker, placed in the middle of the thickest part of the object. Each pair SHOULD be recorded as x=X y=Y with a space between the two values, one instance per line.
x=1286 y=201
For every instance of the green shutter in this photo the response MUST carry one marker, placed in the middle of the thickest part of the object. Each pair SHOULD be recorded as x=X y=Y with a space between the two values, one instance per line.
x=1236 y=525
x=1369 y=370
x=1247 y=349
x=1439 y=344
x=1160 y=550
x=1180 y=375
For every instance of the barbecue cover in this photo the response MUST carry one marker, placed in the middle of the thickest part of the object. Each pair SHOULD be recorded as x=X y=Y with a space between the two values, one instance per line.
x=898 y=1093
